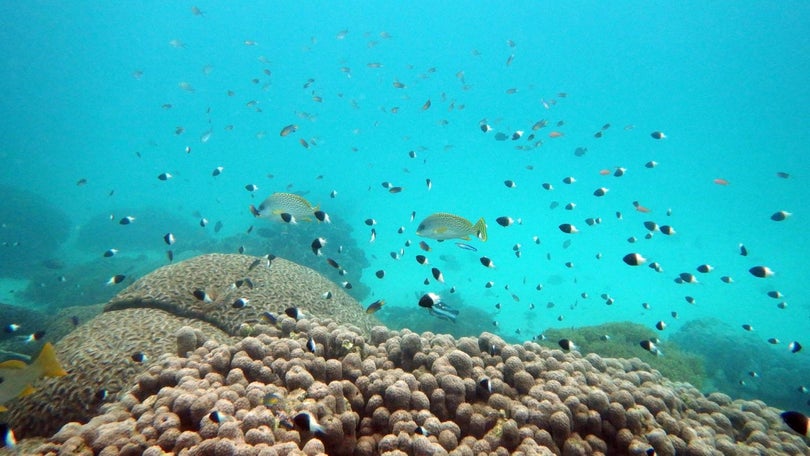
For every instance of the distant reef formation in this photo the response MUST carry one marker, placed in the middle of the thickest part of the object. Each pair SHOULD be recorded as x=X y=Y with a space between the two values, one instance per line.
x=418 y=319
x=622 y=340
x=166 y=368
x=61 y=280
x=31 y=233
x=744 y=365
x=103 y=231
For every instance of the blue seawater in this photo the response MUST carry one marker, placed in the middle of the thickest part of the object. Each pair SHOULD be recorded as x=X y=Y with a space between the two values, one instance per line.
x=115 y=93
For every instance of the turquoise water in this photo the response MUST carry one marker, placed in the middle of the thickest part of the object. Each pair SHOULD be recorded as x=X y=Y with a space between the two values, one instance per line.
x=98 y=97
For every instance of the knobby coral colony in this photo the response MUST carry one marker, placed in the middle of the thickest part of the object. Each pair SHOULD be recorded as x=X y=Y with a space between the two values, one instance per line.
x=405 y=393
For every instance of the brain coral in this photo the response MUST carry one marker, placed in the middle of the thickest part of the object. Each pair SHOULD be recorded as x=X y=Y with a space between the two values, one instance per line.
x=62 y=322
x=372 y=397
x=98 y=356
x=273 y=286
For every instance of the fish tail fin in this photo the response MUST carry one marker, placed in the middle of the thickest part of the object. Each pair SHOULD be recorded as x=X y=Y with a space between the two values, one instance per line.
x=481 y=229
x=47 y=362
x=254 y=211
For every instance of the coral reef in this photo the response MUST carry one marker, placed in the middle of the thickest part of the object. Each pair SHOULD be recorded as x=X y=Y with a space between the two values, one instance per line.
x=622 y=341
x=162 y=369
x=417 y=319
x=83 y=283
x=98 y=356
x=403 y=393
x=55 y=325
x=270 y=285
x=147 y=318
x=293 y=242
x=64 y=321
x=735 y=354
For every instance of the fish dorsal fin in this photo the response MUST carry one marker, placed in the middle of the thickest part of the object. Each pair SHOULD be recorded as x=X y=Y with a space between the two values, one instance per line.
x=26 y=391
x=48 y=363
x=12 y=364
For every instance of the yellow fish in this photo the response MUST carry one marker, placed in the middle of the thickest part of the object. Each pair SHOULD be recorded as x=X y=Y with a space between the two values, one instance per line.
x=441 y=226
x=285 y=203
x=16 y=377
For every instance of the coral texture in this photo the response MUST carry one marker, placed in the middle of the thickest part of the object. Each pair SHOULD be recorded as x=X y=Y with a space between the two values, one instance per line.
x=160 y=314
x=402 y=393
x=98 y=356
x=273 y=286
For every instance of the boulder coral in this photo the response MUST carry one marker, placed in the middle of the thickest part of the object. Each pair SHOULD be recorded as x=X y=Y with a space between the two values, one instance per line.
x=400 y=393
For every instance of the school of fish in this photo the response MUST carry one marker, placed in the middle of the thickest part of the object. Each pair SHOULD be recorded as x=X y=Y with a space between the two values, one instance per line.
x=429 y=245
